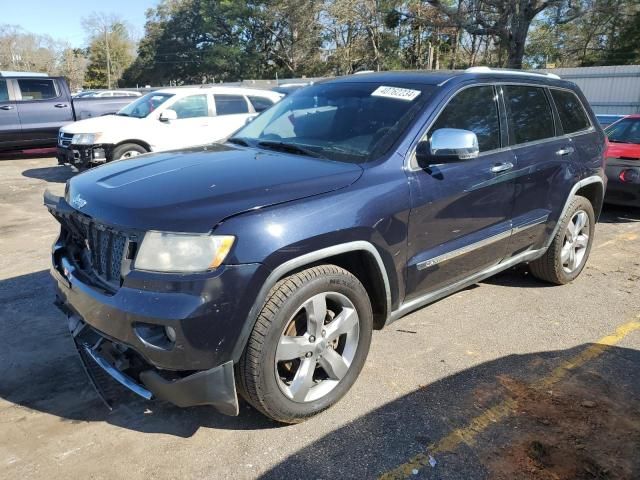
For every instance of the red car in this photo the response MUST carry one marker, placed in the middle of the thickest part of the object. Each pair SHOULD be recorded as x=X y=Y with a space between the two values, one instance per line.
x=623 y=161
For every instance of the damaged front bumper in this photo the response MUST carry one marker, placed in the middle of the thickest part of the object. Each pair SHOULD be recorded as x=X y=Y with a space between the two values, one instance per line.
x=106 y=361
x=84 y=156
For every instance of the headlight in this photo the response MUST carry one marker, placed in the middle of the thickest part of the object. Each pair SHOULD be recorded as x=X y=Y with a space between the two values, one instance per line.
x=178 y=252
x=86 y=138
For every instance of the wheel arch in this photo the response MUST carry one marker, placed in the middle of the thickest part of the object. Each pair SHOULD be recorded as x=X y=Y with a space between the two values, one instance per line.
x=594 y=186
x=360 y=258
x=594 y=192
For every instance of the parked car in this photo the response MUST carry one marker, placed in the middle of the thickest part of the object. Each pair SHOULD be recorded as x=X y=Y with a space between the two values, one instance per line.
x=623 y=161
x=33 y=107
x=289 y=88
x=263 y=264
x=161 y=120
x=605 y=120
x=108 y=93
x=86 y=93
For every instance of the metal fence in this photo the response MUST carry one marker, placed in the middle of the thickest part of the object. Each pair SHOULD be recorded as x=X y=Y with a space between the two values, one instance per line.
x=613 y=90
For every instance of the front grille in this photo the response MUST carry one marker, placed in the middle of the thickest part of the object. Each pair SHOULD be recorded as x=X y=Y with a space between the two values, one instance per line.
x=64 y=139
x=106 y=249
x=99 y=249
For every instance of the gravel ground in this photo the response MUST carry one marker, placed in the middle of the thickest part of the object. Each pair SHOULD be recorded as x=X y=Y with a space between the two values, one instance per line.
x=511 y=378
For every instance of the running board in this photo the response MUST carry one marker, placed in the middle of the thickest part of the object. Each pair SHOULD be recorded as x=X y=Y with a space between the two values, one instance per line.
x=410 y=306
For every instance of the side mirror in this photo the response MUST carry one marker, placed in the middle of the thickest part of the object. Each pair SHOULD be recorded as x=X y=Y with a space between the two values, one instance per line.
x=448 y=145
x=168 y=115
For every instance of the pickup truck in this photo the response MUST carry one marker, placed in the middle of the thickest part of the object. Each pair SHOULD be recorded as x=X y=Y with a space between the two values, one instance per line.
x=34 y=106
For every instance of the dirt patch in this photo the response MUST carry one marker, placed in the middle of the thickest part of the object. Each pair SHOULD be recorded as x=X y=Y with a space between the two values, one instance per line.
x=586 y=428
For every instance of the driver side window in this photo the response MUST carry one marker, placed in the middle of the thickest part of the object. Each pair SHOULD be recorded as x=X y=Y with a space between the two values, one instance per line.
x=191 y=107
x=474 y=109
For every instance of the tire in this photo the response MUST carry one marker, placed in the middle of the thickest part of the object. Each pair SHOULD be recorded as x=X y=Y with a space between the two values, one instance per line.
x=128 y=150
x=278 y=389
x=552 y=267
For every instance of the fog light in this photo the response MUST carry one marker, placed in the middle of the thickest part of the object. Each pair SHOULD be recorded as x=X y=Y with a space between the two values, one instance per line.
x=98 y=153
x=170 y=333
x=629 y=175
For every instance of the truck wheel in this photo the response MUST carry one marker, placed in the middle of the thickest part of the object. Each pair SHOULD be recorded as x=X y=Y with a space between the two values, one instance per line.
x=569 y=250
x=128 y=150
x=308 y=345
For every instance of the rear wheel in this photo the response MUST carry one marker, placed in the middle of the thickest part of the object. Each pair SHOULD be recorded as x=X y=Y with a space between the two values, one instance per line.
x=128 y=150
x=570 y=248
x=309 y=344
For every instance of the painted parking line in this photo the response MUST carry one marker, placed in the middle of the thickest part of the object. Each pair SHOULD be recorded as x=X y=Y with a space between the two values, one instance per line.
x=467 y=434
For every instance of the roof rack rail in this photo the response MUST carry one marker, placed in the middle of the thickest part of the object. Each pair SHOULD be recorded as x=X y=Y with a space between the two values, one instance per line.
x=511 y=72
x=7 y=73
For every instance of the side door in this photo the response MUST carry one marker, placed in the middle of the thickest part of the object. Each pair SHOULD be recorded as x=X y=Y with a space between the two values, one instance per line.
x=43 y=108
x=9 y=120
x=190 y=128
x=231 y=113
x=543 y=159
x=460 y=220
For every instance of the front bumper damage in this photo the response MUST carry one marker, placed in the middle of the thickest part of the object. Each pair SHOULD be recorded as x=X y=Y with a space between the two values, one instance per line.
x=106 y=361
x=84 y=156
x=119 y=318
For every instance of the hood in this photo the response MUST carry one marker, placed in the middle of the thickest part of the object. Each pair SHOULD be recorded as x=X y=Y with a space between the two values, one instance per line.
x=102 y=124
x=193 y=190
x=623 y=150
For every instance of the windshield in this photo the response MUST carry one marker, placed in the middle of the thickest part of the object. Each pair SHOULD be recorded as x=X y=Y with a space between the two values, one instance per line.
x=144 y=105
x=626 y=130
x=353 y=122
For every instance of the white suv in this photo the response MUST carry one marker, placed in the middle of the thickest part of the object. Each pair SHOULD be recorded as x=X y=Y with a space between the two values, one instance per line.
x=165 y=119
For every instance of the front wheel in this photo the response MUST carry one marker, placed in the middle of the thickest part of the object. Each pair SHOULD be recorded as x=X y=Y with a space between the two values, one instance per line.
x=128 y=150
x=567 y=255
x=309 y=344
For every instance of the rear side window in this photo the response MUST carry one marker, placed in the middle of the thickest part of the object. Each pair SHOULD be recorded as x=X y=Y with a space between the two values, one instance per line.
x=260 y=104
x=191 y=107
x=474 y=109
x=37 y=89
x=230 y=104
x=572 y=114
x=4 y=92
x=529 y=113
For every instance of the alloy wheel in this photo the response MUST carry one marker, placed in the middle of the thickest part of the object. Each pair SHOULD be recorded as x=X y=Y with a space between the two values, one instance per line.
x=576 y=240
x=130 y=154
x=317 y=346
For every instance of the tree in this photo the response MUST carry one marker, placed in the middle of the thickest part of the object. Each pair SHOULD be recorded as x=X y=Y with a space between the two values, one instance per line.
x=506 y=20
x=72 y=64
x=111 y=49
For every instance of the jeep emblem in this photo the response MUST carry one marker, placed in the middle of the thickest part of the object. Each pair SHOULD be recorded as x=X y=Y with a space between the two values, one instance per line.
x=78 y=201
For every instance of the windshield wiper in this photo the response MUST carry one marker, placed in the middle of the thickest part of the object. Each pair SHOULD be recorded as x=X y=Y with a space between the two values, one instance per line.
x=239 y=141
x=289 y=148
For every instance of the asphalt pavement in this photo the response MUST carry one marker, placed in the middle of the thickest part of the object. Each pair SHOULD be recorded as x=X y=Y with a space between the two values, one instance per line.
x=511 y=378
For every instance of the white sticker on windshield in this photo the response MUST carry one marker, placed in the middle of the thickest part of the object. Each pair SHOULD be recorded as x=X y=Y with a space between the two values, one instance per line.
x=395 y=92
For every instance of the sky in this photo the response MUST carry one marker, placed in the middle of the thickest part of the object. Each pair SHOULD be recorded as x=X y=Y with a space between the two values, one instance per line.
x=61 y=18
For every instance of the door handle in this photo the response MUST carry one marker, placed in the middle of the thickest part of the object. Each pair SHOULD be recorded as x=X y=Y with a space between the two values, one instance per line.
x=501 y=167
x=7 y=107
x=565 y=151
x=61 y=105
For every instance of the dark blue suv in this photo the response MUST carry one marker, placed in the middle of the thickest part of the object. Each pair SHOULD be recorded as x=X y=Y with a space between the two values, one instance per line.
x=263 y=264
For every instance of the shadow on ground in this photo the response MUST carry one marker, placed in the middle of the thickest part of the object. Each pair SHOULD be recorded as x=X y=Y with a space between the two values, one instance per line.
x=56 y=174
x=585 y=426
x=618 y=214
